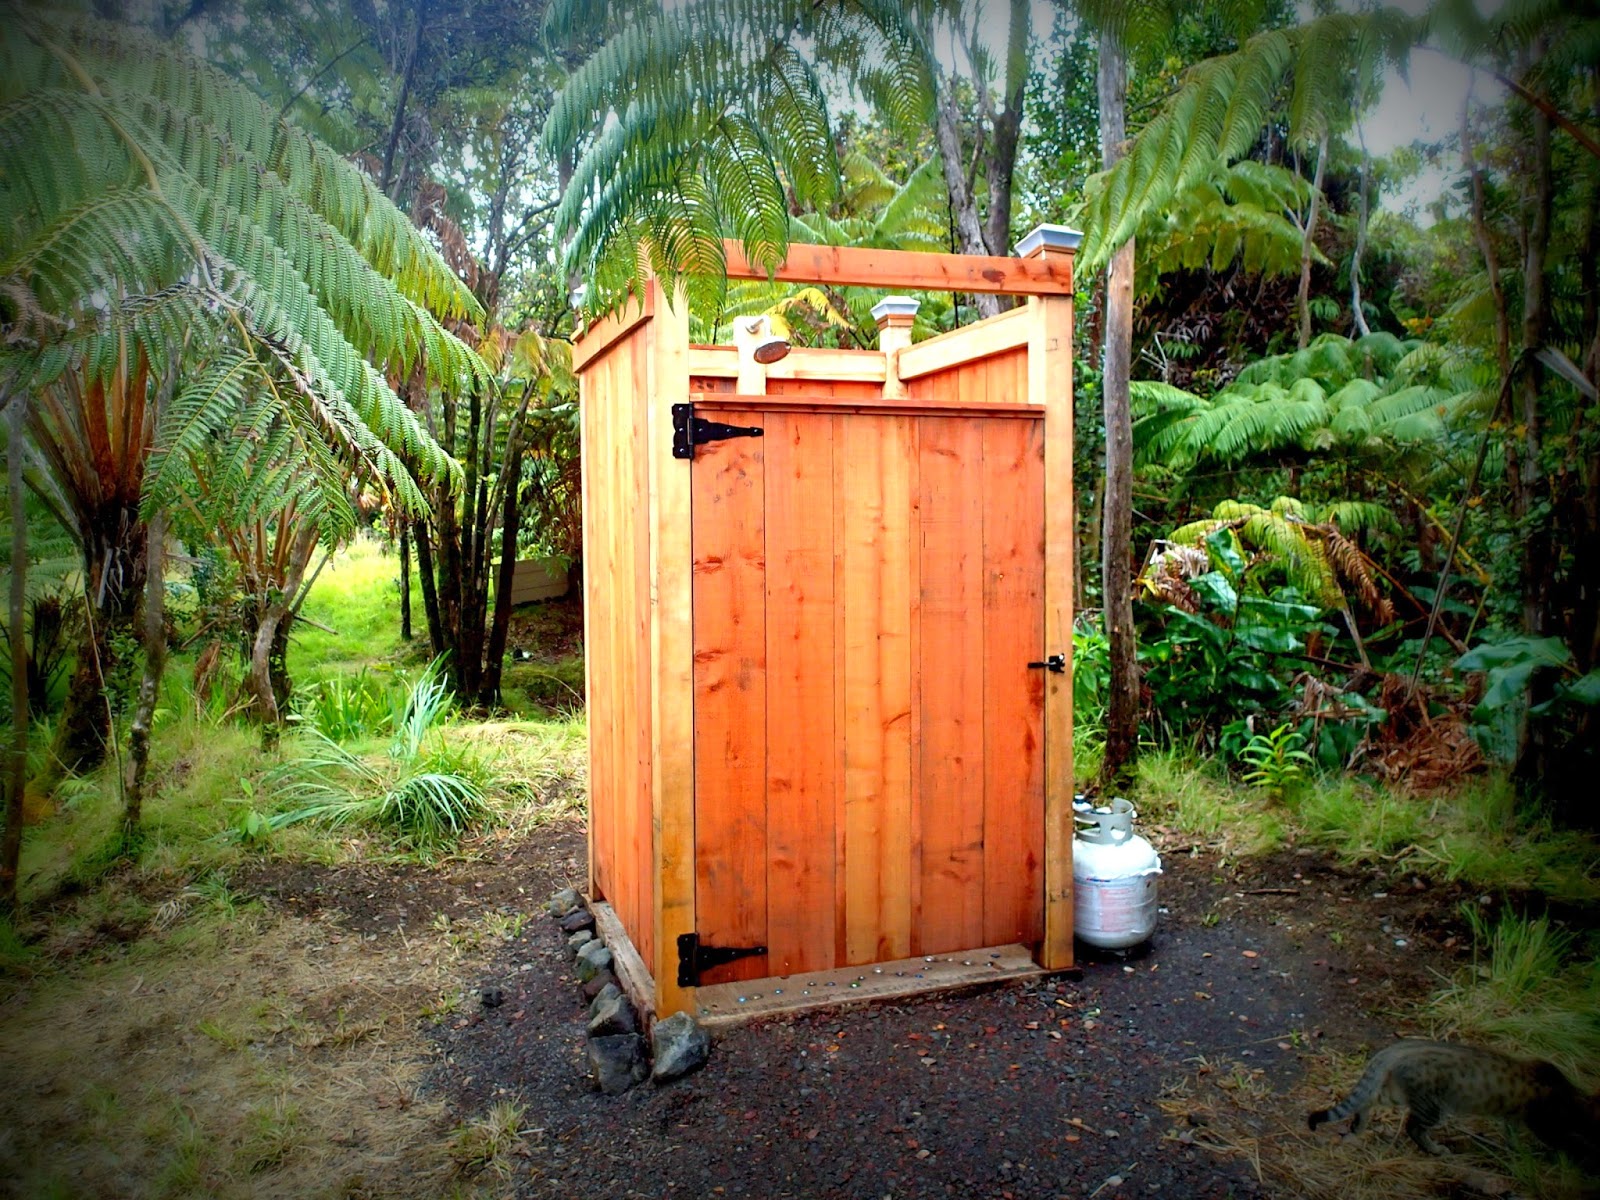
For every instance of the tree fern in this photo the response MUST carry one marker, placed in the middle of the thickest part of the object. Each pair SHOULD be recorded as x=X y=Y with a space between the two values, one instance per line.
x=1373 y=395
x=179 y=180
x=711 y=119
x=1312 y=547
x=1218 y=112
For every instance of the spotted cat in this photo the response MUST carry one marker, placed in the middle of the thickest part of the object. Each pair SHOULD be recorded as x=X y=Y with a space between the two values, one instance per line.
x=1434 y=1079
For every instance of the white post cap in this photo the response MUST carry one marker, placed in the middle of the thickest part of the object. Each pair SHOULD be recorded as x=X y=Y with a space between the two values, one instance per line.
x=1048 y=237
x=895 y=306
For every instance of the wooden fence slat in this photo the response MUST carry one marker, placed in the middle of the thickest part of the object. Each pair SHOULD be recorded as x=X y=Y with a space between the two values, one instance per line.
x=671 y=652
x=877 y=679
x=1049 y=382
x=950 y=663
x=946 y=351
x=730 y=649
x=802 y=764
x=611 y=329
x=638 y=676
x=1013 y=694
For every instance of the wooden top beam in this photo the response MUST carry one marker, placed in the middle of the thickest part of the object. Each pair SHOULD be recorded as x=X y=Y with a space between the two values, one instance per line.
x=611 y=329
x=909 y=270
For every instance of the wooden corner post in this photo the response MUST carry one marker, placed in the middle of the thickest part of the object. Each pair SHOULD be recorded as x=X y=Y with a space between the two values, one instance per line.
x=1050 y=384
x=671 y=651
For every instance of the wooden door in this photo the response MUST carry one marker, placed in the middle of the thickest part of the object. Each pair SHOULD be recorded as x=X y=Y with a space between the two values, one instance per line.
x=868 y=594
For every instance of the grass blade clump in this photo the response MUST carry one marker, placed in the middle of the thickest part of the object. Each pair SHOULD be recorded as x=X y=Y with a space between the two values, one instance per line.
x=424 y=792
x=1531 y=990
x=346 y=707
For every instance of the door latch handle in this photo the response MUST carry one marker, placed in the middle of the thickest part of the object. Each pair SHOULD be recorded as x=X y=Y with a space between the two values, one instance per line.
x=1056 y=663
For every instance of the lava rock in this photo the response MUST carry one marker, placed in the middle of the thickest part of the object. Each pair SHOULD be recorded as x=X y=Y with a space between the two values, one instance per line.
x=563 y=902
x=598 y=984
x=611 y=1014
x=593 y=957
x=579 y=940
x=681 y=1045
x=577 y=920
x=617 y=1063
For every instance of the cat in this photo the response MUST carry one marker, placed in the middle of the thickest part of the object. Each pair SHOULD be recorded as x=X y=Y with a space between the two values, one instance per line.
x=1433 y=1079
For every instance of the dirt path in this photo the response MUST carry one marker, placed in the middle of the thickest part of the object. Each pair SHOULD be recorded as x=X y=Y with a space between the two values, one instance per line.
x=1184 y=1074
x=1075 y=1088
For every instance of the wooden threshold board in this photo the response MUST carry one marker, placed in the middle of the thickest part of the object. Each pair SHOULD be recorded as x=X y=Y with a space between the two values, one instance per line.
x=626 y=964
x=745 y=1000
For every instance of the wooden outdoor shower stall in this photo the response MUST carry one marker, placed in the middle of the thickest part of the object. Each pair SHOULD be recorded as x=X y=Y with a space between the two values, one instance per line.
x=828 y=607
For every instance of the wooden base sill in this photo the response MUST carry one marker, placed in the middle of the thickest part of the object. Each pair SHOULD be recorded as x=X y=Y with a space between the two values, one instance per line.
x=722 y=1004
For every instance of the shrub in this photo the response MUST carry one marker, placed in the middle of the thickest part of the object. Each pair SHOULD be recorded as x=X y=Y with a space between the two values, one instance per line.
x=424 y=792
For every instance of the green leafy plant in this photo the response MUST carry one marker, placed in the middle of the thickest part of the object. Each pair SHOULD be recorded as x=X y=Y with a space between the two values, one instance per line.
x=1224 y=659
x=1509 y=667
x=1278 y=759
x=347 y=707
x=423 y=791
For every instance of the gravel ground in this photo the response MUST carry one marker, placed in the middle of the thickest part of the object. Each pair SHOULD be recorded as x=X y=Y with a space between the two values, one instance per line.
x=1069 y=1087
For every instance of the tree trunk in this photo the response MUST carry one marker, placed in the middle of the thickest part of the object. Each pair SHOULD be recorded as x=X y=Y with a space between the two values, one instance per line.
x=963 y=204
x=1002 y=165
x=405 y=583
x=510 y=526
x=429 y=582
x=114 y=542
x=389 y=179
x=1116 y=530
x=1362 y=216
x=155 y=661
x=17 y=757
x=1534 y=757
x=267 y=679
x=1308 y=244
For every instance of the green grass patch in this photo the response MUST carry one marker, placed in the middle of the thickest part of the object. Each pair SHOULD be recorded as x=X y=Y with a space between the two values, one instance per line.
x=534 y=688
x=358 y=597
x=1530 y=990
x=1477 y=834
x=1197 y=798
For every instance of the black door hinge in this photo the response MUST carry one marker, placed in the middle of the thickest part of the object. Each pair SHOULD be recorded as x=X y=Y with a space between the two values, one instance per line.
x=693 y=958
x=1056 y=663
x=689 y=431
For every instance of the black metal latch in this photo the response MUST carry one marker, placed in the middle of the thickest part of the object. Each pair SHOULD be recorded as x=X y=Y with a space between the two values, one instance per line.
x=689 y=431
x=693 y=958
x=1056 y=663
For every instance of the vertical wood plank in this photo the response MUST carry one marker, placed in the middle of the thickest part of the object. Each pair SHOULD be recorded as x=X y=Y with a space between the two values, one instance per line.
x=640 y=794
x=841 y=933
x=671 y=651
x=619 y=577
x=587 y=434
x=597 y=635
x=802 y=762
x=877 y=501
x=1013 y=614
x=1050 y=384
x=950 y=657
x=730 y=687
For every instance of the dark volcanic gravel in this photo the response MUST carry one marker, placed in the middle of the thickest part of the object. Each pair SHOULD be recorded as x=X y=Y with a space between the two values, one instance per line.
x=1052 y=1089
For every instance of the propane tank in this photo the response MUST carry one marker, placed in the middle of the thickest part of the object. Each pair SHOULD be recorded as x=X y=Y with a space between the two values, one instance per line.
x=1114 y=873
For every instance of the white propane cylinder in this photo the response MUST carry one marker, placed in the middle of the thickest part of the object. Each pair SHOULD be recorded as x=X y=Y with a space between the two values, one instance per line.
x=1114 y=873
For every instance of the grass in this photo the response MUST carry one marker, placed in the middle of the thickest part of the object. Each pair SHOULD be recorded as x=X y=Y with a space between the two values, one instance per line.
x=1476 y=835
x=1198 y=799
x=1530 y=990
x=227 y=1057
x=486 y=1143
x=358 y=597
